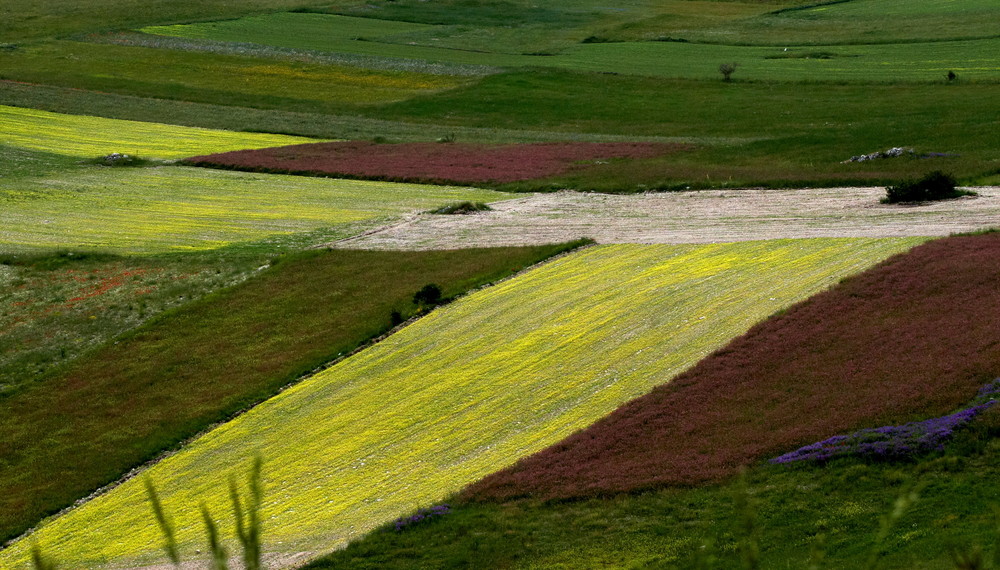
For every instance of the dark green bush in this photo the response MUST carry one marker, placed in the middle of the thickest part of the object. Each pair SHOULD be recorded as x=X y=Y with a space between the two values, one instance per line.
x=934 y=186
x=429 y=294
x=462 y=208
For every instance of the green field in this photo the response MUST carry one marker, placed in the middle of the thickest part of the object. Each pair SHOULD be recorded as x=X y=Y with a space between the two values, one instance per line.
x=859 y=22
x=89 y=137
x=212 y=78
x=145 y=210
x=922 y=62
x=464 y=391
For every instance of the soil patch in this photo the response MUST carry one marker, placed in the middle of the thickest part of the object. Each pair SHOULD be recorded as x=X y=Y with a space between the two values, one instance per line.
x=451 y=163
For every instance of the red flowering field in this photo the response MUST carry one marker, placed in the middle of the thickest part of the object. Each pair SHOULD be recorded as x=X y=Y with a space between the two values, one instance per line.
x=456 y=163
x=912 y=338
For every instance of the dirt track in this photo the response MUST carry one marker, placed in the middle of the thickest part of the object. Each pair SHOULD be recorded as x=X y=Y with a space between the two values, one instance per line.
x=687 y=217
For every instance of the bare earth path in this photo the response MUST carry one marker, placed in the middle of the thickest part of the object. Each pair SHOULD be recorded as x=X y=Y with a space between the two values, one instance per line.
x=687 y=217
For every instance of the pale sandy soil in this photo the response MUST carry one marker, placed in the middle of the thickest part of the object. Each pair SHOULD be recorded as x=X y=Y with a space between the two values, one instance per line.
x=687 y=217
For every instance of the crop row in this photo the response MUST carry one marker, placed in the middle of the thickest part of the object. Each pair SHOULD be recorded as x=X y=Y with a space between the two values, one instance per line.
x=493 y=377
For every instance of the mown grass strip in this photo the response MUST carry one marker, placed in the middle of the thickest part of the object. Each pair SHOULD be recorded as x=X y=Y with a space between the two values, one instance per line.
x=471 y=388
x=89 y=137
x=143 y=210
x=125 y=402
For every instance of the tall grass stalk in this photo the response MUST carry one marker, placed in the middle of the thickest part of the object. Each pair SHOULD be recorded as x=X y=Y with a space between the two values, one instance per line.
x=248 y=520
x=219 y=560
x=748 y=543
x=39 y=560
x=904 y=501
x=170 y=542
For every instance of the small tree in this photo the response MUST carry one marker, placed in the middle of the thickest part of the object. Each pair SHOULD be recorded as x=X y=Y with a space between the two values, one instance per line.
x=727 y=69
x=951 y=76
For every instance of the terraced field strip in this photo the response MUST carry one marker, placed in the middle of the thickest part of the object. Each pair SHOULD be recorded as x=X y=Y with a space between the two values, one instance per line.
x=89 y=137
x=133 y=210
x=884 y=62
x=463 y=392
x=230 y=78
x=910 y=62
x=862 y=22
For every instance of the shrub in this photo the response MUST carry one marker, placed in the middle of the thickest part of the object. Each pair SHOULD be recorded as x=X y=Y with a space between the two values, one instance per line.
x=462 y=208
x=429 y=294
x=934 y=186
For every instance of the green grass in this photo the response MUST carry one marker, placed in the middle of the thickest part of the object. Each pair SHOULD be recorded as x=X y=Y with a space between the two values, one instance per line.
x=800 y=511
x=146 y=210
x=922 y=62
x=213 y=78
x=88 y=137
x=859 y=22
x=234 y=118
x=26 y=19
x=126 y=401
x=464 y=391
x=59 y=306
x=17 y=162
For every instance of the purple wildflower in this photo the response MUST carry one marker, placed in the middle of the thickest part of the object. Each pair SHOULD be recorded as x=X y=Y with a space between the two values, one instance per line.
x=894 y=442
x=422 y=514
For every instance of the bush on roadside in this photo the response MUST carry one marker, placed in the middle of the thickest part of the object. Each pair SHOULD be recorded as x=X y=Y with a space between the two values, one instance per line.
x=934 y=186
x=462 y=208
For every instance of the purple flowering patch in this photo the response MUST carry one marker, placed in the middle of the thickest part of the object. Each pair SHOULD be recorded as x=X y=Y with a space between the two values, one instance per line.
x=422 y=515
x=896 y=442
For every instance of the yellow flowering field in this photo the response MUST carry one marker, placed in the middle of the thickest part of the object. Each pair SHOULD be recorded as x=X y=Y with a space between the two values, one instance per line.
x=148 y=210
x=463 y=392
x=89 y=137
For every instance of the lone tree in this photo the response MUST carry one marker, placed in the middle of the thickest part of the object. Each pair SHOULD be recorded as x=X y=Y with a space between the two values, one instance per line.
x=727 y=69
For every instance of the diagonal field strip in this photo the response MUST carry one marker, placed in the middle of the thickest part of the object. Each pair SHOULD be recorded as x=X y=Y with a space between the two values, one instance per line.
x=89 y=137
x=461 y=393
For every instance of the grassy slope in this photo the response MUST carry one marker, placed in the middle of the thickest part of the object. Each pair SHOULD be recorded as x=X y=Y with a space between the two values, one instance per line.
x=470 y=388
x=236 y=118
x=138 y=210
x=858 y=22
x=26 y=19
x=911 y=62
x=823 y=515
x=213 y=78
x=125 y=402
x=887 y=344
x=88 y=137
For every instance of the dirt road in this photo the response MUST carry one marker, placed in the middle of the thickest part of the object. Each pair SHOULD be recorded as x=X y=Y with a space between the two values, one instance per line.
x=687 y=217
